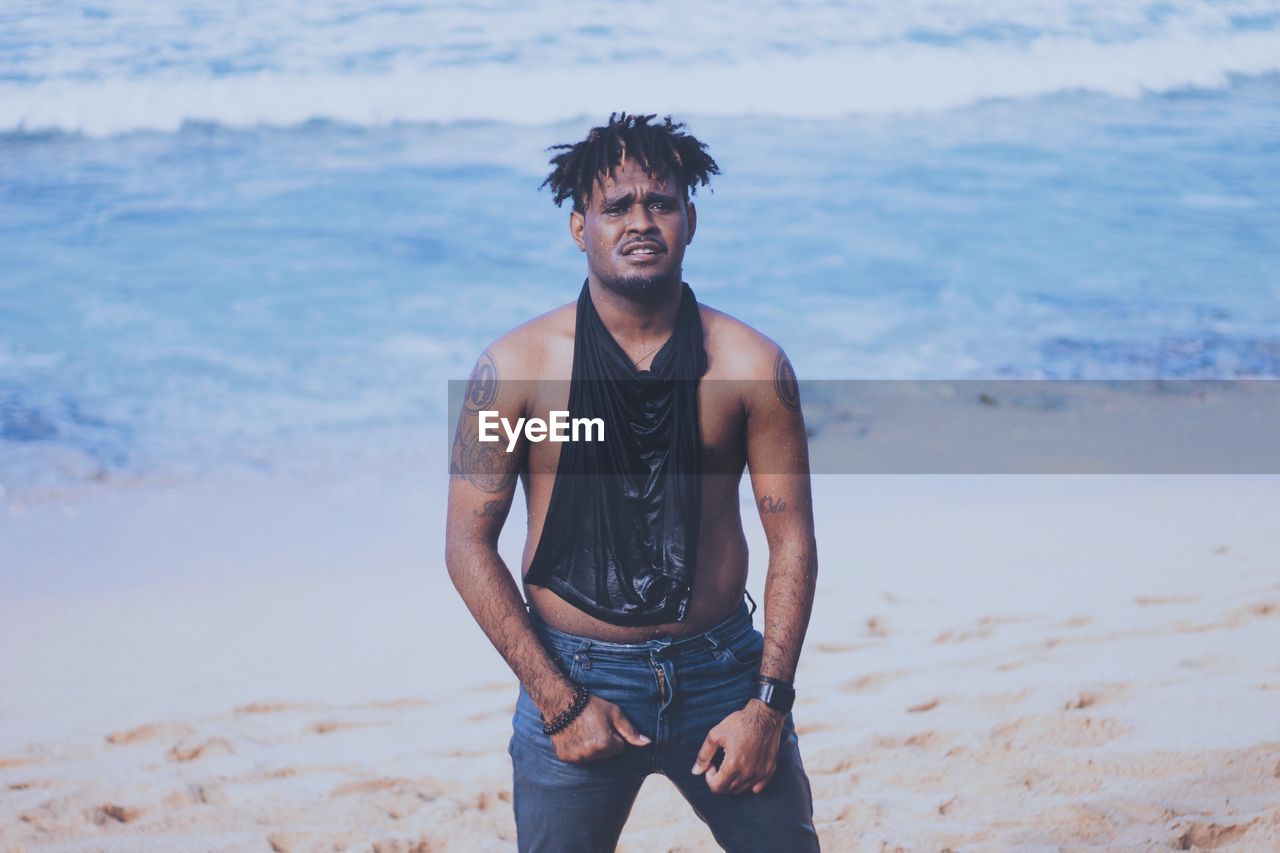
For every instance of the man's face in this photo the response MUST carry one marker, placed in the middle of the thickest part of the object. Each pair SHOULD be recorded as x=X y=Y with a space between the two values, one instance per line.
x=634 y=231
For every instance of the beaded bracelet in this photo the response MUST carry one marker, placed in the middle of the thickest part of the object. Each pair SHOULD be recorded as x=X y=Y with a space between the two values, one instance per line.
x=568 y=715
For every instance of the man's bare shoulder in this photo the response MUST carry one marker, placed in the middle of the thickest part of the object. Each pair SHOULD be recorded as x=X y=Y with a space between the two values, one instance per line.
x=736 y=350
x=537 y=347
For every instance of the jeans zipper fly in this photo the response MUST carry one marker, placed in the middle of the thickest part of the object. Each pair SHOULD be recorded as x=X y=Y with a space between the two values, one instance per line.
x=662 y=680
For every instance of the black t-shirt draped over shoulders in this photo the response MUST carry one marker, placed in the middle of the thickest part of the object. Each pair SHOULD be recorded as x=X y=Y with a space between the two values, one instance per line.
x=620 y=539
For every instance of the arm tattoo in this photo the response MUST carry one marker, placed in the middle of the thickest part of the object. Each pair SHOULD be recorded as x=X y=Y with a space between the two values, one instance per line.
x=491 y=509
x=486 y=466
x=482 y=389
x=769 y=505
x=784 y=382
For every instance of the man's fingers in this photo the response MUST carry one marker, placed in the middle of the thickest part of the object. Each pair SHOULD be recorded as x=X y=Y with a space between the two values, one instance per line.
x=708 y=752
x=764 y=782
x=624 y=728
x=715 y=779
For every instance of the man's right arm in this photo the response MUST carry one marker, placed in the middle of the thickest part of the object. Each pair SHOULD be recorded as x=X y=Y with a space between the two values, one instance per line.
x=482 y=483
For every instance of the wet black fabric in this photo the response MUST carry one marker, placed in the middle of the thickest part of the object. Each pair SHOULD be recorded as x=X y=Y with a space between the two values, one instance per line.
x=620 y=539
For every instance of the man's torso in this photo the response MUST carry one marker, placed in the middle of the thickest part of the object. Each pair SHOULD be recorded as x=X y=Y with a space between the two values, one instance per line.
x=720 y=576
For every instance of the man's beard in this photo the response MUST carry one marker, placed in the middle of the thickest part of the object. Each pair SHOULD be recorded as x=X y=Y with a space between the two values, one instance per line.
x=638 y=288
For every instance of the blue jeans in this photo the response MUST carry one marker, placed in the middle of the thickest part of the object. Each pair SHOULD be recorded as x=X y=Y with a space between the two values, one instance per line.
x=674 y=692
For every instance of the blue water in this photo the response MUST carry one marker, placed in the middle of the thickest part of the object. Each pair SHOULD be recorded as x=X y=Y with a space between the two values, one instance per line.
x=220 y=245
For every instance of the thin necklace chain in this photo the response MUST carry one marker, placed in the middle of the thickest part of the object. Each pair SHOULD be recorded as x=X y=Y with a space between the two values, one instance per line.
x=636 y=363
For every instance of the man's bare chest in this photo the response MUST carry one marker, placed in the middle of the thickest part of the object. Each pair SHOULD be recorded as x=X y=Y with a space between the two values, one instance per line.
x=720 y=416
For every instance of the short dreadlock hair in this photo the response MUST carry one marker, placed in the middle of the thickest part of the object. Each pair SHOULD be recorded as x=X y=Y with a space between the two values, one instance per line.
x=662 y=150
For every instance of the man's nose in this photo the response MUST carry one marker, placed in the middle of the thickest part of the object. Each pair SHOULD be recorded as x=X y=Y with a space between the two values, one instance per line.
x=640 y=219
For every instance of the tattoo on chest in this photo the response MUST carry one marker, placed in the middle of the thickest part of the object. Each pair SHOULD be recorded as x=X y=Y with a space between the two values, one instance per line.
x=770 y=504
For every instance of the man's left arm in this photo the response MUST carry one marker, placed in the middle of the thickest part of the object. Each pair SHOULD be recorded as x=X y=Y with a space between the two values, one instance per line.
x=778 y=459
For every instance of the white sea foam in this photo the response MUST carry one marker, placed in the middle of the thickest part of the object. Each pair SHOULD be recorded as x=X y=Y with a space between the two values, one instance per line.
x=869 y=58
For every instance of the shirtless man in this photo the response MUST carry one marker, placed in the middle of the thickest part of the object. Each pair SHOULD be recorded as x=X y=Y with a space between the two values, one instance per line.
x=704 y=699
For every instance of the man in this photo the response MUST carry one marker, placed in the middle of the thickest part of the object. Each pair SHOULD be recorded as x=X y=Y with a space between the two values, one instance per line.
x=636 y=652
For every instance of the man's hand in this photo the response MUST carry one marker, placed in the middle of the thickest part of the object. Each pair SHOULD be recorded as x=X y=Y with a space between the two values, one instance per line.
x=750 y=739
x=601 y=730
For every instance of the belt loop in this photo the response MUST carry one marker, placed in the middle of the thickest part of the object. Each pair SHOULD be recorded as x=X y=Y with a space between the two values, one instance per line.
x=753 y=603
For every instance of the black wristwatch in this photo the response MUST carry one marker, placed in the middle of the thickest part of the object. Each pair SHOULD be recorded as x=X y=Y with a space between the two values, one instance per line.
x=776 y=693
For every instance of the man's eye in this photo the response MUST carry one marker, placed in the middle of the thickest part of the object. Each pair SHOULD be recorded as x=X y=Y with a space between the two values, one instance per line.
x=660 y=205
x=612 y=211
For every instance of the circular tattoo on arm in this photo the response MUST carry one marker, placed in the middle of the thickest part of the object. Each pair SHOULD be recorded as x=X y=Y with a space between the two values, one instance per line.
x=486 y=466
x=482 y=389
x=784 y=382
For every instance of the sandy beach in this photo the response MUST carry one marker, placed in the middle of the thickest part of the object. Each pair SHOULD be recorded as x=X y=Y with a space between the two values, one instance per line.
x=993 y=663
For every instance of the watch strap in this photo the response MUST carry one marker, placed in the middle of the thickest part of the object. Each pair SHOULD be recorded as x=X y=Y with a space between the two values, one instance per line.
x=777 y=694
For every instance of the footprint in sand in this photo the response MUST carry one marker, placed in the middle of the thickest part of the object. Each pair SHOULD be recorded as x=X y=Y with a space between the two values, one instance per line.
x=294 y=842
x=115 y=813
x=1217 y=663
x=398 y=704
x=468 y=753
x=150 y=731
x=1210 y=836
x=397 y=797
x=868 y=683
x=840 y=765
x=277 y=707
x=1002 y=700
x=921 y=740
x=813 y=728
x=422 y=844
x=1084 y=700
x=193 y=795
x=494 y=714
x=324 y=727
x=1094 y=696
x=1056 y=730
x=982 y=629
x=6 y=763
x=1231 y=619
x=1156 y=600
x=840 y=648
x=211 y=746
x=369 y=787
x=488 y=801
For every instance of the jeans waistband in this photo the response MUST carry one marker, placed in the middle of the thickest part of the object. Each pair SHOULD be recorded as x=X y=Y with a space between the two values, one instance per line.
x=663 y=647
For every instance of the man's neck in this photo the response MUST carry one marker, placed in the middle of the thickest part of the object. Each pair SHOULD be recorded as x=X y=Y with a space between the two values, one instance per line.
x=632 y=321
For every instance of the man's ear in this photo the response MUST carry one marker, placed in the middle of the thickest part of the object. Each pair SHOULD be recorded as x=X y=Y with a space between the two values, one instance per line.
x=577 y=222
x=692 y=213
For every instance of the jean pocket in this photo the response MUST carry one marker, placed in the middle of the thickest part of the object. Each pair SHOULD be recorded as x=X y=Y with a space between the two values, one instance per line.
x=745 y=651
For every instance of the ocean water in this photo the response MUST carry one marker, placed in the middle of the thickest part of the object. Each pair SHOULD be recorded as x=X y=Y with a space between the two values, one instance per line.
x=262 y=235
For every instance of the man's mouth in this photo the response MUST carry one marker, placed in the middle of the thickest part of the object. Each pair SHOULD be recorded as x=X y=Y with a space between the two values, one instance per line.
x=642 y=248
